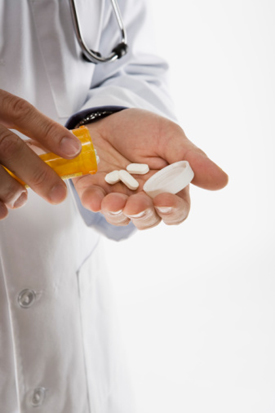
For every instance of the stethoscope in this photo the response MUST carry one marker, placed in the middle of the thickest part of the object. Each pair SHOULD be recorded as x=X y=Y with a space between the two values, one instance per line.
x=95 y=57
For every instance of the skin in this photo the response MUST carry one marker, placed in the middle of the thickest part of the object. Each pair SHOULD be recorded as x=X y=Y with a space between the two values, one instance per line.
x=132 y=135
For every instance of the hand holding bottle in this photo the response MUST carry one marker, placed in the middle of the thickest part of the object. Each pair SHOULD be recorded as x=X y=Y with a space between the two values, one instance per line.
x=15 y=155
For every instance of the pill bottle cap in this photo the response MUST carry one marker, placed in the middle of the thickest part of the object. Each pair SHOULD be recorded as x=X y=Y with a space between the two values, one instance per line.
x=172 y=179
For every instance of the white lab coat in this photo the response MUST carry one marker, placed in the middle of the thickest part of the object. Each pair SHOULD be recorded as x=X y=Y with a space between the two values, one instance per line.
x=59 y=350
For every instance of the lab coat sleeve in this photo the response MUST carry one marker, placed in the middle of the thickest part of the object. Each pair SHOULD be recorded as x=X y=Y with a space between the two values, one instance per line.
x=139 y=79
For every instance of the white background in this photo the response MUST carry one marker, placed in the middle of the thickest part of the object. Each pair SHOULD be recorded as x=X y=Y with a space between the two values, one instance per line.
x=197 y=302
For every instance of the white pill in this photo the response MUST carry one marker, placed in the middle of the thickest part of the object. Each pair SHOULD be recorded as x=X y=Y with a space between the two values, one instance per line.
x=112 y=178
x=138 y=168
x=128 y=180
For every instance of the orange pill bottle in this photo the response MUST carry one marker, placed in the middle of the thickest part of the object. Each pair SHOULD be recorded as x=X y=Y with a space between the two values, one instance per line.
x=83 y=164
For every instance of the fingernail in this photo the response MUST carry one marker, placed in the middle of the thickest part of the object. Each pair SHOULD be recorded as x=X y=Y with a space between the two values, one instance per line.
x=58 y=193
x=147 y=214
x=70 y=146
x=164 y=210
x=115 y=212
x=21 y=200
x=139 y=215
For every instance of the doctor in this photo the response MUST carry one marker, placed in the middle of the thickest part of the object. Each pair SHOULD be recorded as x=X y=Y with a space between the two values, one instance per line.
x=59 y=346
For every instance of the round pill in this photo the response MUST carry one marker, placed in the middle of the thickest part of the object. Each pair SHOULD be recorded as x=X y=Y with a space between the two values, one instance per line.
x=172 y=179
x=128 y=180
x=138 y=168
x=112 y=178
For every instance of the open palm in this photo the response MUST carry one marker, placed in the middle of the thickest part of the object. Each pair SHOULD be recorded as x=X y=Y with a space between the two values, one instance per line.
x=138 y=136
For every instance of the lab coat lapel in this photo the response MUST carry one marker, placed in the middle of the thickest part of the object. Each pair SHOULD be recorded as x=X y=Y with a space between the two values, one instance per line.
x=55 y=33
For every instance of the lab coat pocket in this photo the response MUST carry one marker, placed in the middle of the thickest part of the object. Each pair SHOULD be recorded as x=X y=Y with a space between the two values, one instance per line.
x=108 y=382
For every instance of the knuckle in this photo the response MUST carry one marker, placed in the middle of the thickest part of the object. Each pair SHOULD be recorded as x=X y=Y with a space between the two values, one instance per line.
x=171 y=127
x=19 y=108
x=10 y=189
x=49 y=131
x=40 y=177
x=8 y=193
x=3 y=211
x=10 y=144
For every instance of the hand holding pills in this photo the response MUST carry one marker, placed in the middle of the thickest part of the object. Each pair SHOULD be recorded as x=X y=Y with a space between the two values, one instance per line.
x=129 y=143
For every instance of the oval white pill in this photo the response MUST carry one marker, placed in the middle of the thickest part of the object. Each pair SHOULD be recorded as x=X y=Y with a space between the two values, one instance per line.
x=138 y=168
x=172 y=179
x=112 y=178
x=128 y=180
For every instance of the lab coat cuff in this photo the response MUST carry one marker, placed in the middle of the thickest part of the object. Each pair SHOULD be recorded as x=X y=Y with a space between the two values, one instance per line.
x=99 y=112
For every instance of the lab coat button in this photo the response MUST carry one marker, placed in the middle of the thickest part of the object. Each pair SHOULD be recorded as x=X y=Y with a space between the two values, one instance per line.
x=26 y=298
x=38 y=396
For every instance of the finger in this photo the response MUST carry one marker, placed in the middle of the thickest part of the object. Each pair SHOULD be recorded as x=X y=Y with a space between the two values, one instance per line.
x=175 y=146
x=17 y=113
x=3 y=211
x=112 y=208
x=208 y=175
x=91 y=196
x=92 y=189
x=140 y=209
x=12 y=193
x=173 y=209
x=16 y=156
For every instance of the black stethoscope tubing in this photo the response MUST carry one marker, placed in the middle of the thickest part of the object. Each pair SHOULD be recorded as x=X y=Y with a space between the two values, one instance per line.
x=95 y=57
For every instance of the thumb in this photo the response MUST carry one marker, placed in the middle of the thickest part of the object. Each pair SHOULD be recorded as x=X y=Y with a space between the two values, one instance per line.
x=208 y=174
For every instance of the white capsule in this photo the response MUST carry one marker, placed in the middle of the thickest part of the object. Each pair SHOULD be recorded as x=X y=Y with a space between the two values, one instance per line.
x=138 y=168
x=112 y=178
x=128 y=180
